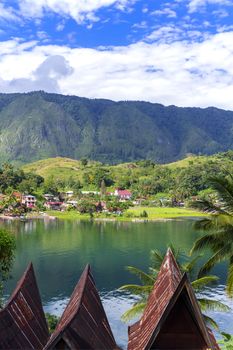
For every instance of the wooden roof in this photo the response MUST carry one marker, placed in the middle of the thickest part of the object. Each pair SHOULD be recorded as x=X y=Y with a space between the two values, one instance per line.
x=84 y=324
x=22 y=321
x=172 y=318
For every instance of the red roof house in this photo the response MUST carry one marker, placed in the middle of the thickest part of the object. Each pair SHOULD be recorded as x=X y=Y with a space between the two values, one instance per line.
x=123 y=194
x=172 y=318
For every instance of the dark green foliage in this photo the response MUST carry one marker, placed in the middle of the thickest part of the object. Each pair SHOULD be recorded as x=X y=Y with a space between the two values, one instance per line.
x=86 y=206
x=7 y=248
x=39 y=125
x=12 y=179
x=52 y=322
x=227 y=341
x=219 y=227
x=144 y=214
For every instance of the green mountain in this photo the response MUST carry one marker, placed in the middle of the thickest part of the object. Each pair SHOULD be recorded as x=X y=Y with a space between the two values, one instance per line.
x=39 y=125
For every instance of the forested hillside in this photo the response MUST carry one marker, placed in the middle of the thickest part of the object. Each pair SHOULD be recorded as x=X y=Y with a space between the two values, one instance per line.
x=181 y=179
x=39 y=125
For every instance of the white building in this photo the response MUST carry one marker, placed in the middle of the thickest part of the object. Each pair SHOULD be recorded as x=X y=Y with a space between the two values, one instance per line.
x=29 y=201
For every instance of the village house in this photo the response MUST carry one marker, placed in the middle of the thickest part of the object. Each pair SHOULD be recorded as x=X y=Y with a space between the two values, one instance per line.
x=73 y=203
x=90 y=192
x=17 y=195
x=29 y=201
x=69 y=194
x=49 y=197
x=53 y=205
x=123 y=194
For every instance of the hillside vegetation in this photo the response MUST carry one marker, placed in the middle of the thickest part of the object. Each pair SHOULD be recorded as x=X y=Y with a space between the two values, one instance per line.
x=181 y=179
x=39 y=125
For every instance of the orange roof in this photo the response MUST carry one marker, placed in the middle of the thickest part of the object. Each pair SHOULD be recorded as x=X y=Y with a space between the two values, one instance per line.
x=84 y=323
x=172 y=314
x=22 y=321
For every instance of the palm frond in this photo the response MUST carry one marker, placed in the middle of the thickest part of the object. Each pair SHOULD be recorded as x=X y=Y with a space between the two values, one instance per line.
x=204 y=242
x=189 y=266
x=135 y=311
x=224 y=188
x=229 y=286
x=217 y=257
x=206 y=224
x=153 y=272
x=207 y=207
x=136 y=289
x=156 y=259
x=212 y=305
x=202 y=282
x=145 y=278
x=210 y=322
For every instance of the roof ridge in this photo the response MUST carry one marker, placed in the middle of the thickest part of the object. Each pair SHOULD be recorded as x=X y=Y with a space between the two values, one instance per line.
x=82 y=281
x=20 y=283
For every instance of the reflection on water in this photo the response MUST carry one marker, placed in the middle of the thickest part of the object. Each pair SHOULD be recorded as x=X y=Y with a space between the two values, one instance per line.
x=60 y=250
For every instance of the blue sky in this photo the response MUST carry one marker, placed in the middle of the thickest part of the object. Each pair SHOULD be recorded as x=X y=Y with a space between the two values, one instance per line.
x=172 y=52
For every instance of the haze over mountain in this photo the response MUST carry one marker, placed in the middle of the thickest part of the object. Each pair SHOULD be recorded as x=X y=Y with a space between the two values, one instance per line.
x=39 y=125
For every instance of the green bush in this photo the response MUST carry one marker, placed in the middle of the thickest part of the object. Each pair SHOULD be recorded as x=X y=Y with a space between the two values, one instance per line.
x=52 y=321
x=144 y=214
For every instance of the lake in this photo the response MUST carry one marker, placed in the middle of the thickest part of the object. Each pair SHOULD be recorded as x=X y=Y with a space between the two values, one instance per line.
x=60 y=250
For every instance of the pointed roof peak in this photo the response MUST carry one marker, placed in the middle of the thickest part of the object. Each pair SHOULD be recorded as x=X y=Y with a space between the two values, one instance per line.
x=169 y=269
x=84 y=323
x=167 y=288
x=24 y=304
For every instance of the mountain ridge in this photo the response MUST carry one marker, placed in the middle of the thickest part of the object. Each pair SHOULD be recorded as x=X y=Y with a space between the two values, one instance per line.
x=39 y=125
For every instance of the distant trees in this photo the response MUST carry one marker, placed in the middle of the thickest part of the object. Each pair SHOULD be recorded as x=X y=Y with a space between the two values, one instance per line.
x=16 y=179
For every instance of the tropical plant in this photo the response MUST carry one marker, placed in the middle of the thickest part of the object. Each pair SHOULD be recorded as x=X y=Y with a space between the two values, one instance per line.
x=7 y=247
x=219 y=227
x=186 y=264
x=52 y=321
x=227 y=341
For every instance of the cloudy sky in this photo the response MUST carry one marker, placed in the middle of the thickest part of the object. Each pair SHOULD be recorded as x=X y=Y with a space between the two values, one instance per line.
x=172 y=52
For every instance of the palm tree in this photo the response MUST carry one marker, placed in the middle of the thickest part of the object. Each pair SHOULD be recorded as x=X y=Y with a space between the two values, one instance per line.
x=147 y=280
x=219 y=228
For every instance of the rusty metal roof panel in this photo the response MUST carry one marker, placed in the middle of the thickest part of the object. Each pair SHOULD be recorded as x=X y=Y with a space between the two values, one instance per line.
x=22 y=321
x=166 y=291
x=84 y=323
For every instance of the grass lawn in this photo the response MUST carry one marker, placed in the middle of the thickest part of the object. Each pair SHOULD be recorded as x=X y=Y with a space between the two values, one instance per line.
x=163 y=213
x=68 y=215
x=153 y=214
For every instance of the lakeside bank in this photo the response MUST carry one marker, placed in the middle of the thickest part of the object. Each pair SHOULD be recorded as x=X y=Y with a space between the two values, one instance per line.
x=134 y=214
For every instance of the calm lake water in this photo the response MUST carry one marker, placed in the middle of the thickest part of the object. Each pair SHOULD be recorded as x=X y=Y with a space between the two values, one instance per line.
x=60 y=250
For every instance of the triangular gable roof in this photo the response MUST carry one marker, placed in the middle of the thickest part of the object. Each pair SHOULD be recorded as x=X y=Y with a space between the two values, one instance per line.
x=84 y=324
x=22 y=320
x=167 y=289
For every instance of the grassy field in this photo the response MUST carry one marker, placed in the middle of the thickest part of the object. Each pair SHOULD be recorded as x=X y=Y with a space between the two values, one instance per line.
x=184 y=163
x=154 y=213
x=164 y=213
x=59 y=168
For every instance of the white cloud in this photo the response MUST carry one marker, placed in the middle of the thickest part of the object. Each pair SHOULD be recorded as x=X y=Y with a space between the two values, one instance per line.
x=60 y=27
x=166 y=12
x=8 y=14
x=196 y=5
x=80 y=10
x=181 y=73
x=45 y=77
x=171 y=33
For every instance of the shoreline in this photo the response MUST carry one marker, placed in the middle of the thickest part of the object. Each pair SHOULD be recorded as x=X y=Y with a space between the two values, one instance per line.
x=154 y=215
